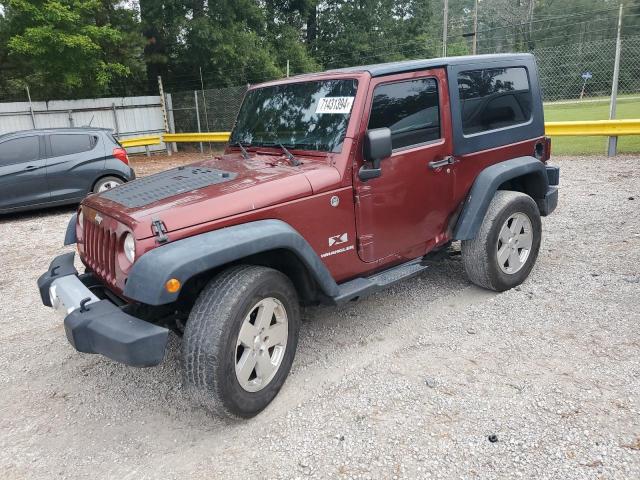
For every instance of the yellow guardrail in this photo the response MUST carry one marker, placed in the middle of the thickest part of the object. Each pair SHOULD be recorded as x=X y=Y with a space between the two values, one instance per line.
x=141 y=141
x=197 y=137
x=175 y=137
x=613 y=128
x=553 y=129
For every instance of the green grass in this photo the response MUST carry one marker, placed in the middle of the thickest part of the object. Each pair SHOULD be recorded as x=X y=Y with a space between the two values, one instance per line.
x=555 y=112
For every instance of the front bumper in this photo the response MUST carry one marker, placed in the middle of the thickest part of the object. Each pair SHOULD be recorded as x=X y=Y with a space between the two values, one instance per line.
x=99 y=326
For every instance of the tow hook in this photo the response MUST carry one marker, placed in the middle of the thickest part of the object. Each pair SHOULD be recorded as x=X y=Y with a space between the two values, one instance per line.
x=159 y=230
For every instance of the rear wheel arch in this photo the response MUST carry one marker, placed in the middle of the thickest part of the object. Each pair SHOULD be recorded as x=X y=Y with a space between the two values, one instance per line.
x=530 y=183
x=523 y=174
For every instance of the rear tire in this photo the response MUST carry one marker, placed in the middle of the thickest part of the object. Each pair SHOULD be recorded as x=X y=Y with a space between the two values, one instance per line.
x=107 y=183
x=505 y=249
x=240 y=340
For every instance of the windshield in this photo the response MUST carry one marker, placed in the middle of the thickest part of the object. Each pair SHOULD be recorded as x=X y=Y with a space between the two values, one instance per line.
x=308 y=116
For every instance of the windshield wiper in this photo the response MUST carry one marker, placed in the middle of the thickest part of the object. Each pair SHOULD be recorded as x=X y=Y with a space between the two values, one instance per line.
x=245 y=154
x=294 y=161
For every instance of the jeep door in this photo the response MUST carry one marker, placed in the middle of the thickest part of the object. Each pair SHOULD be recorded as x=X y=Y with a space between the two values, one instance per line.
x=75 y=162
x=23 y=179
x=404 y=212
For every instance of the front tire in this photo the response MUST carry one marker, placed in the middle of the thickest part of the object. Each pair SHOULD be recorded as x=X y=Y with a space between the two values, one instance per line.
x=240 y=340
x=505 y=249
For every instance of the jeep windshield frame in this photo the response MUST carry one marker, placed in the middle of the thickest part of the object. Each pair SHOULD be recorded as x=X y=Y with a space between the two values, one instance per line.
x=309 y=115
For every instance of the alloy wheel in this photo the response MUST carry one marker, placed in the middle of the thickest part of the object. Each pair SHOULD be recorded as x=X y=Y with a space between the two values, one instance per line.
x=108 y=186
x=261 y=344
x=514 y=243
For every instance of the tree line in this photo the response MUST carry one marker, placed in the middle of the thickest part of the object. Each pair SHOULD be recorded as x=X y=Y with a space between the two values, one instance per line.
x=92 y=48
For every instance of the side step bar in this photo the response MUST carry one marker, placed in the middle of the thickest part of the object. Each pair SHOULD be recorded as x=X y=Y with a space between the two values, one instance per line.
x=359 y=287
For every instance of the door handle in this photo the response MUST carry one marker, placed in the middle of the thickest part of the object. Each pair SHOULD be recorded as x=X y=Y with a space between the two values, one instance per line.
x=435 y=164
x=30 y=167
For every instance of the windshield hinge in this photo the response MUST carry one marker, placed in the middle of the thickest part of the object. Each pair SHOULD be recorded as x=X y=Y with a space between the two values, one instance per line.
x=159 y=230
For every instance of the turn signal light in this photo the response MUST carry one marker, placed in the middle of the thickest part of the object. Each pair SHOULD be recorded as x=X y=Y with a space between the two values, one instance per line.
x=172 y=285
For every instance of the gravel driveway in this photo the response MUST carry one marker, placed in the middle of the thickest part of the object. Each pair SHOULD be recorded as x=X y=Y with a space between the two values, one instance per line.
x=409 y=383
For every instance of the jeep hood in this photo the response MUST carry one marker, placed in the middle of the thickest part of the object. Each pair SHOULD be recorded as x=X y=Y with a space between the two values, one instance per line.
x=211 y=190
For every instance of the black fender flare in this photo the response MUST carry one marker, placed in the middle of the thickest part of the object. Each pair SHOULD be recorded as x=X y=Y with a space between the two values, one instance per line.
x=70 y=233
x=188 y=257
x=487 y=183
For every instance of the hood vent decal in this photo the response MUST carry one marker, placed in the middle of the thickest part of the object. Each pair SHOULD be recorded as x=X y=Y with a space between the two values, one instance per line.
x=165 y=184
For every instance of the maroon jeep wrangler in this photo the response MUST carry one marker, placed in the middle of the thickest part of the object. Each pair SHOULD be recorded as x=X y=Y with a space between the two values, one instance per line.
x=333 y=186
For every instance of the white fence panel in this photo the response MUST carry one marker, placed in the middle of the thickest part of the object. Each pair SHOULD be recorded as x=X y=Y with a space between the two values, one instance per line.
x=126 y=116
x=15 y=116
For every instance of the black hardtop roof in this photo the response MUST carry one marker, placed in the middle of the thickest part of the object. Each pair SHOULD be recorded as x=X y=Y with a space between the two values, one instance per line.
x=380 y=69
x=55 y=130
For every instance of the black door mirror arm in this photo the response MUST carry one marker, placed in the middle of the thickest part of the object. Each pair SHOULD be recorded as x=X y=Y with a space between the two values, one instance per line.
x=365 y=173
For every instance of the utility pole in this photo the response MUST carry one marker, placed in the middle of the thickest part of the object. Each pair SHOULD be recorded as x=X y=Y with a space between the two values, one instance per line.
x=163 y=107
x=33 y=116
x=287 y=68
x=531 y=5
x=445 y=21
x=613 y=141
x=475 y=29
x=204 y=102
x=195 y=101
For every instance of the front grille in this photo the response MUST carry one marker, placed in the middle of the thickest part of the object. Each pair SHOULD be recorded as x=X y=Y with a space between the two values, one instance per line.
x=100 y=250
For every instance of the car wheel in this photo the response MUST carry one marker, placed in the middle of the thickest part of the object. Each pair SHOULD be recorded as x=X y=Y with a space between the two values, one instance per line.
x=505 y=249
x=106 y=183
x=240 y=340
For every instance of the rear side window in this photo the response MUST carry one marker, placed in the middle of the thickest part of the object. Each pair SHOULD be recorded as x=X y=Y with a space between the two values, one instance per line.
x=409 y=109
x=115 y=140
x=19 y=150
x=494 y=98
x=68 y=144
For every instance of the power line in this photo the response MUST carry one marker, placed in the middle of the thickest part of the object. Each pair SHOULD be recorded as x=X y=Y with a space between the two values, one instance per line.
x=563 y=36
x=562 y=26
x=383 y=46
x=569 y=15
x=403 y=48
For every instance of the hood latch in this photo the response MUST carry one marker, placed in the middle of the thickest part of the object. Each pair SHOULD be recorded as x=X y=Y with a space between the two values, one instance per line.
x=159 y=230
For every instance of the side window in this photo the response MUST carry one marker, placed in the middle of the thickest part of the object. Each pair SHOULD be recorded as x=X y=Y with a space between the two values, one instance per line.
x=409 y=109
x=68 y=144
x=494 y=98
x=19 y=150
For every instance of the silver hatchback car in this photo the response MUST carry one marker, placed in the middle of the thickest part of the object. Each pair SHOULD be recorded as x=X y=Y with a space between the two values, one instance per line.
x=59 y=166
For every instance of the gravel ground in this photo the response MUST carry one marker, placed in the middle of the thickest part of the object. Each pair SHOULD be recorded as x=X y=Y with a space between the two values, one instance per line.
x=409 y=383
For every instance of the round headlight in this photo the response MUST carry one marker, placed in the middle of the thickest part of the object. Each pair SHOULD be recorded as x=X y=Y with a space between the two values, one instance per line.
x=130 y=247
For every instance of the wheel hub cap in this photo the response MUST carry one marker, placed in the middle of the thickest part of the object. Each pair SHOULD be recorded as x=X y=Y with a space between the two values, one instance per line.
x=107 y=186
x=261 y=344
x=514 y=243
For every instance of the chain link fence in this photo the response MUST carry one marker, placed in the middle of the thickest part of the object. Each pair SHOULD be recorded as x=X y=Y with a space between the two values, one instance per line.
x=568 y=72
x=585 y=70
x=212 y=110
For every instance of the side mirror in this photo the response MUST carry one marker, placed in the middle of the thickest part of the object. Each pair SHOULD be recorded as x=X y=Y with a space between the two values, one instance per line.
x=377 y=146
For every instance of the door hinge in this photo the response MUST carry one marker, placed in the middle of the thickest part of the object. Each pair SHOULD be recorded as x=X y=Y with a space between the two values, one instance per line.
x=159 y=230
